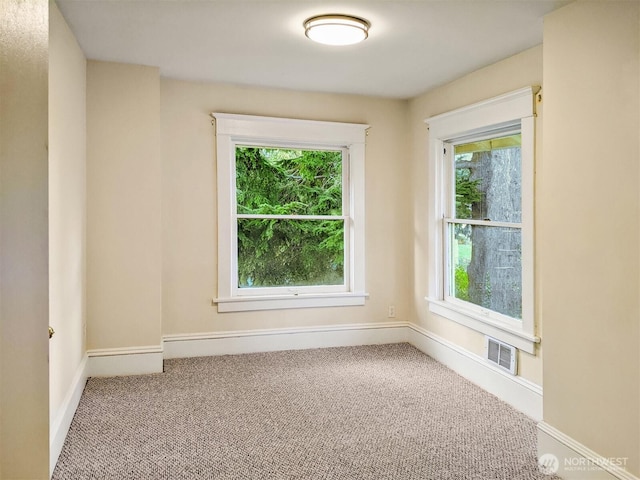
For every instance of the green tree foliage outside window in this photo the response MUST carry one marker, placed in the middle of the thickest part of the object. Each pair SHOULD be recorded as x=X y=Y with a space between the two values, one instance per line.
x=273 y=184
x=467 y=192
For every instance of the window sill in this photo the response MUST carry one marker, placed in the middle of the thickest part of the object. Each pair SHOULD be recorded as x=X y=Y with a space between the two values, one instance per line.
x=280 y=302
x=486 y=325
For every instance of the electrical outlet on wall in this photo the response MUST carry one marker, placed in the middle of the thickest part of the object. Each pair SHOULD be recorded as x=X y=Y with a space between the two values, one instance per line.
x=392 y=311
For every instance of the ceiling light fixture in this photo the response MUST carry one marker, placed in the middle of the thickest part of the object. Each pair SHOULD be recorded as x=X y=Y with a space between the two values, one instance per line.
x=336 y=29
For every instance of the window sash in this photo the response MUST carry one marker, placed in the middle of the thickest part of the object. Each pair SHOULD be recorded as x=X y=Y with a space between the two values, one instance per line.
x=504 y=134
x=297 y=146
x=292 y=217
x=296 y=289
x=448 y=260
x=449 y=207
x=347 y=253
x=486 y=223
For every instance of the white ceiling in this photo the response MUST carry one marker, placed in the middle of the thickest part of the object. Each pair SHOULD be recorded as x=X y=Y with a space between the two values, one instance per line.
x=413 y=46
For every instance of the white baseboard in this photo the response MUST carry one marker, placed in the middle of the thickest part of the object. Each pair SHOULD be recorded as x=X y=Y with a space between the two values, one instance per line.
x=573 y=461
x=521 y=394
x=109 y=362
x=63 y=417
x=269 y=340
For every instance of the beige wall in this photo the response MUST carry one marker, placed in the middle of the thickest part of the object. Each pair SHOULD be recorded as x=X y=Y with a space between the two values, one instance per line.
x=524 y=69
x=189 y=203
x=123 y=206
x=24 y=281
x=590 y=215
x=122 y=219
x=67 y=207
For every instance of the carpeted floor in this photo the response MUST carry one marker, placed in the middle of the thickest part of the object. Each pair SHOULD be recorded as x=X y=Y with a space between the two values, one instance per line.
x=357 y=413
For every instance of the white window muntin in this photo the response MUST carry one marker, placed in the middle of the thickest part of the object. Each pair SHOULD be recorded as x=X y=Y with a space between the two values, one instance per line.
x=482 y=119
x=232 y=129
x=345 y=218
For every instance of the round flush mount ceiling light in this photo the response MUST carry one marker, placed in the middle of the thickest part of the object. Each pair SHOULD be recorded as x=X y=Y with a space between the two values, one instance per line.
x=336 y=29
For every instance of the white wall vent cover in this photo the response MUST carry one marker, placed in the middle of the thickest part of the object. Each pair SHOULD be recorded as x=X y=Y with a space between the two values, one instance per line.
x=503 y=355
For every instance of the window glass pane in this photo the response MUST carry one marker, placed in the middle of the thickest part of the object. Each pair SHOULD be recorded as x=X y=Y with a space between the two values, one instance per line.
x=281 y=181
x=488 y=180
x=485 y=267
x=280 y=253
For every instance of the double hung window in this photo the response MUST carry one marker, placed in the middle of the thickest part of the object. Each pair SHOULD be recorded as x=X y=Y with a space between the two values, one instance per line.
x=481 y=253
x=290 y=213
x=289 y=217
x=483 y=224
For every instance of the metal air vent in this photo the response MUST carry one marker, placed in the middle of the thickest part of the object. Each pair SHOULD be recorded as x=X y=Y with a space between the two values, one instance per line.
x=502 y=355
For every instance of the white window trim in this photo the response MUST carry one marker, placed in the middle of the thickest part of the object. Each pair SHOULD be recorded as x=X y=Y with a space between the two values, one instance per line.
x=232 y=129
x=492 y=114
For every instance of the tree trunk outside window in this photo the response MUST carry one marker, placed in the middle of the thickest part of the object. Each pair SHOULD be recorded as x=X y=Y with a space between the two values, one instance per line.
x=494 y=271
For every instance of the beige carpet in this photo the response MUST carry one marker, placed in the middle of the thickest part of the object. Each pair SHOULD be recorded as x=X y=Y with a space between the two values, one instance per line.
x=372 y=412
